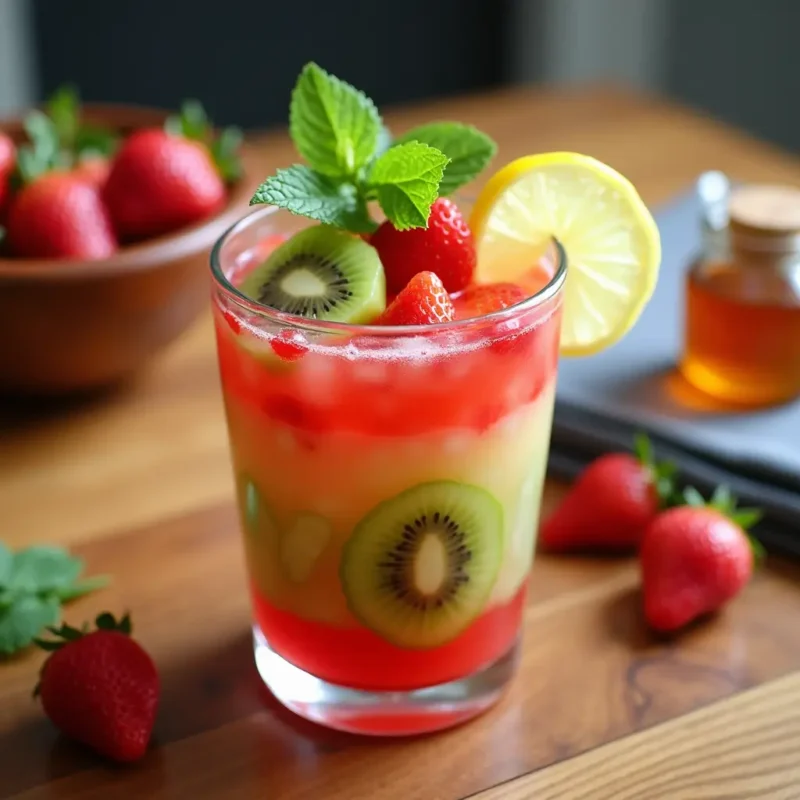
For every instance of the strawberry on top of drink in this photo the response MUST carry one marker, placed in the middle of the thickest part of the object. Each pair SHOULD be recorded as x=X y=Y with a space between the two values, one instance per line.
x=80 y=191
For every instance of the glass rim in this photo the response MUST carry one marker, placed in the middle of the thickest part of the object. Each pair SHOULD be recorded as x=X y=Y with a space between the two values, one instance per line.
x=547 y=292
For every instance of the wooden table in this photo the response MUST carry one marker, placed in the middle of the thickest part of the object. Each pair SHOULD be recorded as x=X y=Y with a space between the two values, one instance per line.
x=139 y=483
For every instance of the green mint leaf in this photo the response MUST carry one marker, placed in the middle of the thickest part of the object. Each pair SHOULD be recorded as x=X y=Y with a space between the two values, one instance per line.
x=334 y=126
x=468 y=149
x=406 y=180
x=225 y=152
x=24 y=620
x=43 y=569
x=302 y=191
x=78 y=589
x=62 y=108
x=2 y=234
x=6 y=565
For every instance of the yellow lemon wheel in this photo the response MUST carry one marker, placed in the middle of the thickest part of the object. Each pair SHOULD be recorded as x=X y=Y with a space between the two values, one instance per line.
x=611 y=239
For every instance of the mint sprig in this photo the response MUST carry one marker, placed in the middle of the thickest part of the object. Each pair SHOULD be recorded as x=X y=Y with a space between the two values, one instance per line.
x=34 y=583
x=352 y=161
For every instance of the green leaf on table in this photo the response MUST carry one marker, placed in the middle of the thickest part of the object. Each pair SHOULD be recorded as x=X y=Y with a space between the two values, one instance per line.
x=44 y=569
x=303 y=191
x=34 y=583
x=334 y=126
x=6 y=565
x=468 y=149
x=22 y=621
x=405 y=180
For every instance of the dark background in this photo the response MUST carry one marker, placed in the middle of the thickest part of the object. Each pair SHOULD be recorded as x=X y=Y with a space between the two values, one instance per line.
x=736 y=59
x=241 y=57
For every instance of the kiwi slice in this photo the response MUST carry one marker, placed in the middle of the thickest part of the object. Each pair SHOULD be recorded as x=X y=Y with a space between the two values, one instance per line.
x=321 y=273
x=419 y=568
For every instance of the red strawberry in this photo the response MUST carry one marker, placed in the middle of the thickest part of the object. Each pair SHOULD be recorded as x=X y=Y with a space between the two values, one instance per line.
x=478 y=301
x=59 y=216
x=694 y=559
x=93 y=170
x=423 y=301
x=289 y=345
x=614 y=499
x=8 y=154
x=445 y=247
x=101 y=688
x=160 y=182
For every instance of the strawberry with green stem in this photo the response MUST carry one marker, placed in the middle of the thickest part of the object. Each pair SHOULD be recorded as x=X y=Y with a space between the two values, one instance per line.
x=100 y=687
x=696 y=557
x=611 y=503
x=164 y=179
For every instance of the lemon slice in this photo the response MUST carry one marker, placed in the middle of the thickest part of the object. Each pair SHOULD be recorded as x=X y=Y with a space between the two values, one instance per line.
x=611 y=240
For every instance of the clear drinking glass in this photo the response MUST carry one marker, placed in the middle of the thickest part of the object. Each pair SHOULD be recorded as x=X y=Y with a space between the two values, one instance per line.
x=389 y=482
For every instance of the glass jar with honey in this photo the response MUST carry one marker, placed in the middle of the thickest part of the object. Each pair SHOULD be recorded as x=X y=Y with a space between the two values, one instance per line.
x=742 y=315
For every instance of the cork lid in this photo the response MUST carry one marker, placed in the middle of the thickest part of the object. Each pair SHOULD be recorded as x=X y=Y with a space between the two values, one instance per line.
x=765 y=209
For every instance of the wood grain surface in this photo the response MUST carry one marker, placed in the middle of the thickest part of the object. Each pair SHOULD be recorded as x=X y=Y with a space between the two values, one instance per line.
x=138 y=481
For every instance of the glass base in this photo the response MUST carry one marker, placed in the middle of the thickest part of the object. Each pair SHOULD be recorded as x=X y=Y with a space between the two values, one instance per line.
x=374 y=713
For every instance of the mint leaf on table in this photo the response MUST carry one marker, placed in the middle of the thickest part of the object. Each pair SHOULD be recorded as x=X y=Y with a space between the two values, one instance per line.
x=334 y=126
x=468 y=149
x=34 y=583
x=302 y=191
x=405 y=180
x=21 y=622
x=43 y=569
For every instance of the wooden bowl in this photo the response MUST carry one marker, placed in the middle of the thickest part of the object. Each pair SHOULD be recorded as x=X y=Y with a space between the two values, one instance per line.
x=70 y=326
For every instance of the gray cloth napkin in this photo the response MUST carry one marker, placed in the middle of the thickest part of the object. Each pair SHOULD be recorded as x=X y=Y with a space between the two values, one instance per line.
x=603 y=400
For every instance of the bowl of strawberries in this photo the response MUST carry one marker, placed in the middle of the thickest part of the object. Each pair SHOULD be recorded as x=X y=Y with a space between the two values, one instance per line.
x=107 y=216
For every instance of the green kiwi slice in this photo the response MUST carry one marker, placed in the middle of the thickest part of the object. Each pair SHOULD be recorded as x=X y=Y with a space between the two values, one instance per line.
x=321 y=273
x=419 y=568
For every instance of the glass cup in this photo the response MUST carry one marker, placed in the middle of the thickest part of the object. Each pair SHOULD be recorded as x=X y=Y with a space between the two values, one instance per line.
x=389 y=482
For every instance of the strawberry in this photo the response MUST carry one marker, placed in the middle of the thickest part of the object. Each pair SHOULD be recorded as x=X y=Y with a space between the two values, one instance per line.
x=59 y=215
x=8 y=155
x=612 y=502
x=695 y=558
x=100 y=688
x=422 y=302
x=445 y=247
x=478 y=301
x=160 y=182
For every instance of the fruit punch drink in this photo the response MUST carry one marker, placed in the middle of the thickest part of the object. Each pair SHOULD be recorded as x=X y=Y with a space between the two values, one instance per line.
x=388 y=368
x=388 y=477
